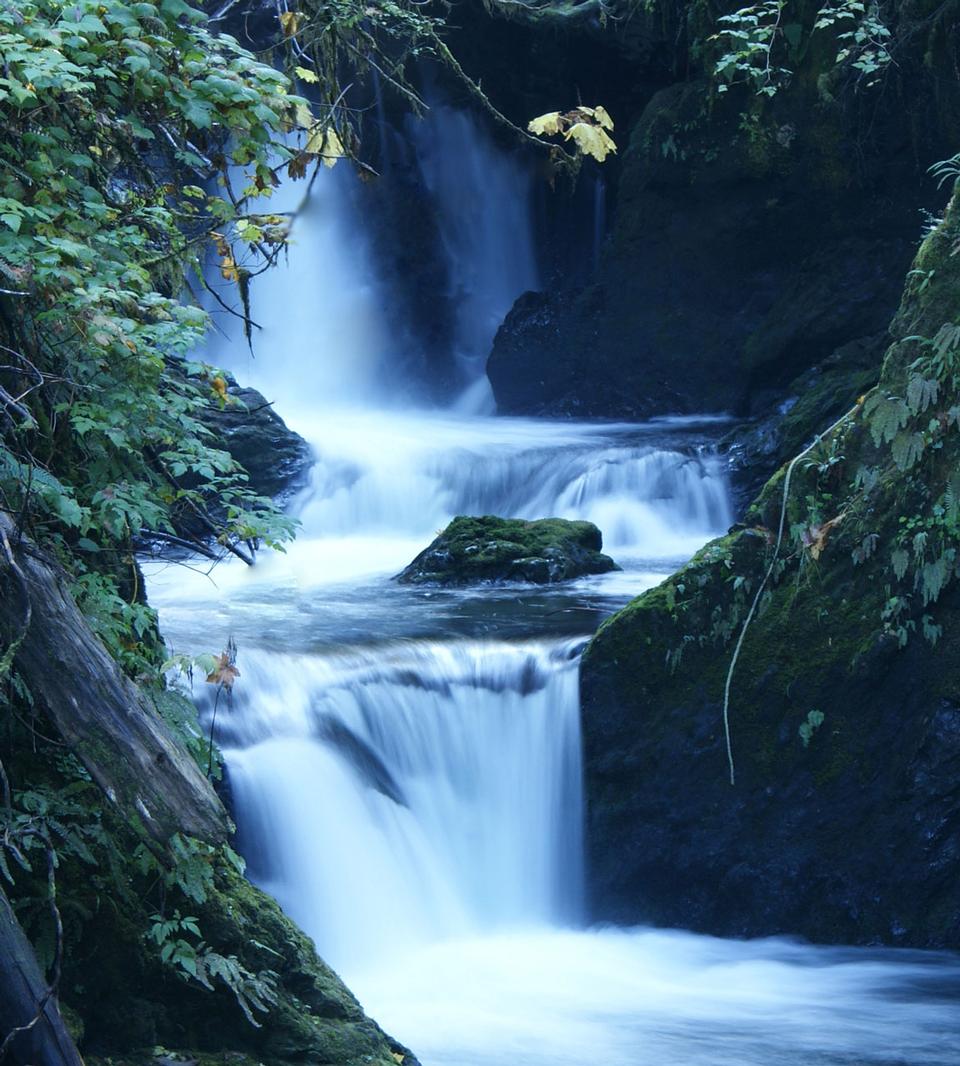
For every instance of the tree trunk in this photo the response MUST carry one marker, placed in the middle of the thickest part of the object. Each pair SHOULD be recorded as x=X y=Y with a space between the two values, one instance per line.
x=22 y=990
x=101 y=714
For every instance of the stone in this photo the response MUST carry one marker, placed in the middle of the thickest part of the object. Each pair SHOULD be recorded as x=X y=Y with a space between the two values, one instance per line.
x=473 y=549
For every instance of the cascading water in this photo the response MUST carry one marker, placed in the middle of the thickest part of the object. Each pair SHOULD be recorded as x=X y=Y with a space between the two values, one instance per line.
x=392 y=794
x=482 y=203
x=405 y=762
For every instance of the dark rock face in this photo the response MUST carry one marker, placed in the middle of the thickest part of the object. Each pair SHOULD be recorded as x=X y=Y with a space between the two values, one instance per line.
x=815 y=400
x=472 y=550
x=852 y=839
x=741 y=254
x=843 y=823
x=276 y=458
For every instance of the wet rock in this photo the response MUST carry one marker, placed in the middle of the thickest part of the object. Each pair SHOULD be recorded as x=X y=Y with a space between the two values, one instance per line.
x=841 y=822
x=276 y=458
x=472 y=550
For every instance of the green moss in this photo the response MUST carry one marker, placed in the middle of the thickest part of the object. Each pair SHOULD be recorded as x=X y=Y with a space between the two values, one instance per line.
x=488 y=548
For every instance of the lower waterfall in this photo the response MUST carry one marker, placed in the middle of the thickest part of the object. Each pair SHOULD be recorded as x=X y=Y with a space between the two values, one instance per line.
x=395 y=796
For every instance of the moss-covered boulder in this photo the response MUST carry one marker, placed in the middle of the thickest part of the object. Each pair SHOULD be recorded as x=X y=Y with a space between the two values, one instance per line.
x=831 y=621
x=472 y=550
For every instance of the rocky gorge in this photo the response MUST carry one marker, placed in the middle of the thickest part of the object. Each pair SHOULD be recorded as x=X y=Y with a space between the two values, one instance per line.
x=741 y=329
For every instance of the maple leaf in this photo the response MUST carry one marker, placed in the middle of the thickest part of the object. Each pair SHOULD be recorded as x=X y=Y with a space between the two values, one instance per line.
x=591 y=140
x=304 y=117
x=224 y=672
x=326 y=144
x=297 y=167
x=603 y=118
x=546 y=125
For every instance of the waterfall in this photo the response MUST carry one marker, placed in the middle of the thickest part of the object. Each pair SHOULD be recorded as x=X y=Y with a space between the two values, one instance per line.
x=319 y=333
x=397 y=795
x=482 y=201
x=404 y=762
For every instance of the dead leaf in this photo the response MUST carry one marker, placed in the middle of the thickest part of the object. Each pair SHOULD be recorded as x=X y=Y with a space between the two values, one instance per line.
x=815 y=537
x=297 y=167
x=224 y=672
x=290 y=22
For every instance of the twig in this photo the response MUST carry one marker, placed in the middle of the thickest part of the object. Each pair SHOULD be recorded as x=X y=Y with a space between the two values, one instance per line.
x=763 y=583
x=194 y=546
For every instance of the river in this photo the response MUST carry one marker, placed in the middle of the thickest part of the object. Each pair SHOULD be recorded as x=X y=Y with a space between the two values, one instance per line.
x=404 y=762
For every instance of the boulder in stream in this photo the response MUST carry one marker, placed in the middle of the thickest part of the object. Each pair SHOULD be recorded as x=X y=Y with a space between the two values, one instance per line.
x=476 y=549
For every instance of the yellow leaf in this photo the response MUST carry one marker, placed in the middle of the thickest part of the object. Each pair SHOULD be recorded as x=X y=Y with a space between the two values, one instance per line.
x=397 y=1056
x=290 y=22
x=309 y=76
x=545 y=125
x=315 y=140
x=332 y=148
x=591 y=140
x=603 y=119
x=304 y=117
x=219 y=386
x=228 y=268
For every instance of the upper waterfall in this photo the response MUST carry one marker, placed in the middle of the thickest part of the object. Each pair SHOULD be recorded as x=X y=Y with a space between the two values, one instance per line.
x=321 y=335
x=482 y=199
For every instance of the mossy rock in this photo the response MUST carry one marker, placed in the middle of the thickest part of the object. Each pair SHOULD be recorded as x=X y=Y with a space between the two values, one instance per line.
x=472 y=550
x=843 y=818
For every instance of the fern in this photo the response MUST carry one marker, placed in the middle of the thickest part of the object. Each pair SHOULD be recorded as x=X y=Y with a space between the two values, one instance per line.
x=887 y=415
x=907 y=449
x=921 y=392
x=900 y=561
x=933 y=577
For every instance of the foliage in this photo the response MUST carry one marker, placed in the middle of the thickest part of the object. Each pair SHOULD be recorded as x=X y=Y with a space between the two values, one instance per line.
x=184 y=951
x=585 y=126
x=752 y=36
x=763 y=44
x=809 y=726
x=118 y=117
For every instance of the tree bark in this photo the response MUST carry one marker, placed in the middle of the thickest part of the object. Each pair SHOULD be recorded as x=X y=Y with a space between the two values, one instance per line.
x=99 y=712
x=23 y=989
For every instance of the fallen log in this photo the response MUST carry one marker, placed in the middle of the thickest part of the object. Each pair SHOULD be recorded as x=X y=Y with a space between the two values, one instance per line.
x=101 y=715
x=31 y=1028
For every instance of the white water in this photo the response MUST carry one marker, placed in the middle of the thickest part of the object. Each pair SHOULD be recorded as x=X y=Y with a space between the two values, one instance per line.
x=405 y=761
x=482 y=204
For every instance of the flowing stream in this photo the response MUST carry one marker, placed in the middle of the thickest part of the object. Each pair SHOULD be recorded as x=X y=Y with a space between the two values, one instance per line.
x=405 y=762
